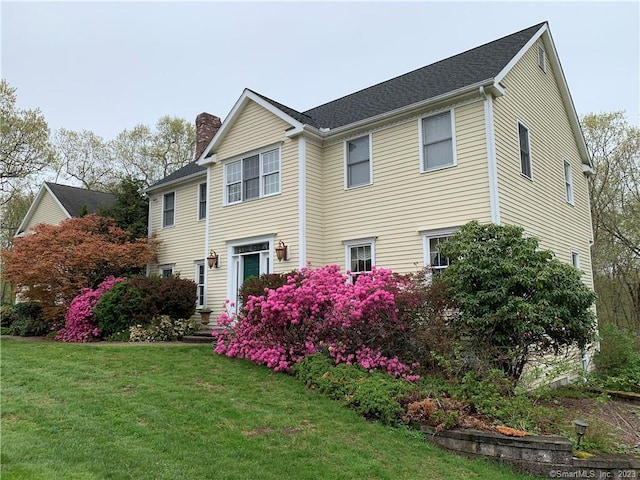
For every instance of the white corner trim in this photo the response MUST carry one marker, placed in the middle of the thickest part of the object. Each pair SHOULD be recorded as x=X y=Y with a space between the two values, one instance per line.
x=494 y=196
x=207 y=226
x=302 y=202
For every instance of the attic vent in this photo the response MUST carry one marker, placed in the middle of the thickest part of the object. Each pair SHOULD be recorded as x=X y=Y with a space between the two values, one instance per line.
x=542 y=61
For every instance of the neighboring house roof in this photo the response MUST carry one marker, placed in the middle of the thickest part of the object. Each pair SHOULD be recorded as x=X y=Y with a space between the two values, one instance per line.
x=71 y=201
x=189 y=170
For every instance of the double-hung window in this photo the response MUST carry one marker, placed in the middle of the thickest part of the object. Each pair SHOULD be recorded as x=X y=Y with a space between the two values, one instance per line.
x=432 y=240
x=437 y=141
x=253 y=177
x=168 y=209
x=200 y=284
x=202 y=201
x=358 y=160
x=525 y=151
x=568 y=182
x=360 y=256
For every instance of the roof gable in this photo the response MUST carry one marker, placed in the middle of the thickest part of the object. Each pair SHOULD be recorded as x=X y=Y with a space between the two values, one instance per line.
x=71 y=201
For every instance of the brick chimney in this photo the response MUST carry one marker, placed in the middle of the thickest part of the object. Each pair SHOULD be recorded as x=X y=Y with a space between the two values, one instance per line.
x=207 y=126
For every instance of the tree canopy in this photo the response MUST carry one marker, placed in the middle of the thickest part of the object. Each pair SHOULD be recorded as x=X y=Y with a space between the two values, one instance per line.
x=614 y=191
x=54 y=263
x=24 y=143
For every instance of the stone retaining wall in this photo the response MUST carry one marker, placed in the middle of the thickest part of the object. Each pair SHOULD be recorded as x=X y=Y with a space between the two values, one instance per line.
x=549 y=457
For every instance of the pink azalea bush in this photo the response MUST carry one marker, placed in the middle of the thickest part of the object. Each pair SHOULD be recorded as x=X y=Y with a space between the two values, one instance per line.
x=320 y=310
x=80 y=326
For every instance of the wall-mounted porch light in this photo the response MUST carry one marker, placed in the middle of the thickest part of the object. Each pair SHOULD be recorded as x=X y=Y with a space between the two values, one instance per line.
x=212 y=259
x=281 y=251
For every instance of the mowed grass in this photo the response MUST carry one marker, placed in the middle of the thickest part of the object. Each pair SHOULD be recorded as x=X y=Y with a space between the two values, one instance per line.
x=105 y=411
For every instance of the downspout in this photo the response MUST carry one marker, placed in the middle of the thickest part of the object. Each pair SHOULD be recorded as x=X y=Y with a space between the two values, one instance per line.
x=207 y=223
x=494 y=197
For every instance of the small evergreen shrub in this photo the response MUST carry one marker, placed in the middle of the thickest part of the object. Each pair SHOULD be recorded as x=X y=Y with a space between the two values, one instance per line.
x=375 y=396
x=140 y=299
x=28 y=320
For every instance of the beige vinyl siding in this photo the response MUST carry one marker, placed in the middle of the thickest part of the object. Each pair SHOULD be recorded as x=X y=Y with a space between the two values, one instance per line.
x=401 y=202
x=254 y=128
x=275 y=215
x=183 y=243
x=540 y=205
x=314 y=211
x=47 y=211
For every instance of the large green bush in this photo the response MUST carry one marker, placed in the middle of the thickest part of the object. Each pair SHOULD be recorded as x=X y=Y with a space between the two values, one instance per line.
x=139 y=300
x=27 y=320
x=618 y=361
x=516 y=302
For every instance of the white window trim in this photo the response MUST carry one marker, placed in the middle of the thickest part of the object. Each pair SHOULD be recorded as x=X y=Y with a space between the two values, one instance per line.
x=568 y=181
x=200 y=302
x=346 y=159
x=575 y=259
x=453 y=141
x=200 y=199
x=518 y=123
x=175 y=203
x=542 y=58
x=167 y=266
x=435 y=233
x=359 y=242
x=240 y=158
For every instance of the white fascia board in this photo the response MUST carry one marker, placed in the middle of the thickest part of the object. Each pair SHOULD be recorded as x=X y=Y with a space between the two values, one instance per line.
x=552 y=54
x=228 y=122
x=34 y=205
x=175 y=182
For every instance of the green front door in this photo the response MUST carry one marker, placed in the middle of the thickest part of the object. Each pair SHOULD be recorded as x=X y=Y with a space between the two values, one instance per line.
x=250 y=266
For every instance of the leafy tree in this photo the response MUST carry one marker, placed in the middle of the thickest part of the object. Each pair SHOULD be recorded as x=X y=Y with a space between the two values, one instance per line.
x=152 y=155
x=614 y=191
x=24 y=144
x=516 y=302
x=85 y=157
x=131 y=208
x=11 y=214
x=56 y=262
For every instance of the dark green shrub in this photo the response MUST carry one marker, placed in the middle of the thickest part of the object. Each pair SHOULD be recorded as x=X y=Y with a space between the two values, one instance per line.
x=7 y=315
x=28 y=320
x=375 y=396
x=618 y=361
x=139 y=300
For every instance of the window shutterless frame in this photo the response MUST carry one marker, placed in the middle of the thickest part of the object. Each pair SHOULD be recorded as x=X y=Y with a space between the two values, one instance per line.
x=358 y=164
x=202 y=201
x=524 y=148
x=437 y=141
x=568 y=181
x=251 y=176
x=168 y=209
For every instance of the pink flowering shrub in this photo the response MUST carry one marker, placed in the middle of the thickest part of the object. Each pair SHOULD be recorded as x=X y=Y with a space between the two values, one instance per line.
x=80 y=326
x=319 y=310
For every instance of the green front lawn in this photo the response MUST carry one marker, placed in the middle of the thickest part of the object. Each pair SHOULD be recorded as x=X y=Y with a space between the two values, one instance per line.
x=98 y=411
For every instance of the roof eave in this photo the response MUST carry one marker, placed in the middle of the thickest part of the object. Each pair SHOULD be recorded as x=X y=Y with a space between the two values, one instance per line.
x=177 y=181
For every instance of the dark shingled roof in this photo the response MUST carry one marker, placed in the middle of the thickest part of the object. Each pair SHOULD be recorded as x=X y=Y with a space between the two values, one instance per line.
x=189 y=169
x=468 y=68
x=74 y=198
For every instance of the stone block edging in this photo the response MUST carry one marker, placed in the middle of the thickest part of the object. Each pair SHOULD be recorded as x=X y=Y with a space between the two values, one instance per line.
x=545 y=456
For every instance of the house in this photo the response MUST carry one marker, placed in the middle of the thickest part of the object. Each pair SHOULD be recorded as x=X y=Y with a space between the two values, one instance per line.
x=382 y=176
x=55 y=203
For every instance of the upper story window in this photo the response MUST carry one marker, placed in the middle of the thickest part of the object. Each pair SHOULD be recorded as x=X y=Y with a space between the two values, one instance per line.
x=202 y=201
x=252 y=177
x=525 y=151
x=168 y=209
x=568 y=182
x=358 y=161
x=437 y=141
x=542 y=59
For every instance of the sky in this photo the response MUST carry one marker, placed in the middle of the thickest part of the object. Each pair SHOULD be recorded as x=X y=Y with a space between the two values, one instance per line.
x=108 y=66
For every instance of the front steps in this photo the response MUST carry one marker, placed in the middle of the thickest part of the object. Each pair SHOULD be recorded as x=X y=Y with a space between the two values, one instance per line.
x=203 y=335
